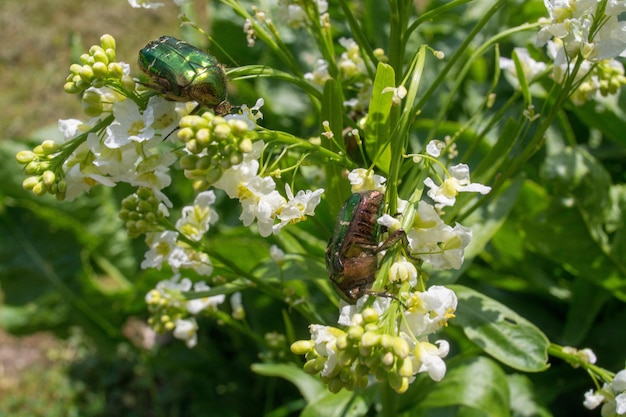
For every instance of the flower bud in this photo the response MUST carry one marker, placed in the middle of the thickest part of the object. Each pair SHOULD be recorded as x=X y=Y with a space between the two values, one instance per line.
x=107 y=41
x=301 y=347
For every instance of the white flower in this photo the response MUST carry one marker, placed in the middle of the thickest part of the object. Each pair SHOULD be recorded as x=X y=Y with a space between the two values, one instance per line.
x=236 y=306
x=592 y=400
x=365 y=180
x=530 y=67
x=182 y=257
x=434 y=147
x=260 y=200
x=197 y=305
x=391 y=223
x=186 y=329
x=398 y=94
x=325 y=343
x=297 y=207
x=571 y=22
x=196 y=219
x=238 y=175
x=162 y=245
x=428 y=311
x=429 y=358
x=292 y=14
x=458 y=181
x=277 y=254
x=248 y=115
x=403 y=271
x=350 y=63
x=436 y=242
x=320 y=73
x=350 y=313
x=144 y=4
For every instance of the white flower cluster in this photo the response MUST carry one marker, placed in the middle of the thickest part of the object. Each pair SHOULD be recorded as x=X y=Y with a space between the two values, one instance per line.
x=587 y=30
x=260 y=199
x=612 y=396
x=294 y=15
x=177 y=314
x=583 y=27
x=392 y=344
x=127 y=152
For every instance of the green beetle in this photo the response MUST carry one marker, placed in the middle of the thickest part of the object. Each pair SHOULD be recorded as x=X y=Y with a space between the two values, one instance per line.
x=182 y=72
x=351 y=255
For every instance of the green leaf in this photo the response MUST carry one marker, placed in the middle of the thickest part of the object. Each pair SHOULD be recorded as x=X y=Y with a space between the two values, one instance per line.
x=477 y=385
x=523 y=401
x=342 y=404
x=377 y=129
x=309 y=386
x=584 y=227
x=500 y=332
x=320 y=401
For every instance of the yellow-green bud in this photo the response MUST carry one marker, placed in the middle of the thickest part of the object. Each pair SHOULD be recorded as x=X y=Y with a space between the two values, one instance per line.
x=355 y=332
x=386 y=340
x=30 y=182
x=238 y=127
x=405 y=368
x=370 y=315
x=203 y=137
x=245 y=146
x=188 y=161
x=185 y=133
x=86 y=59
x=49 y=146
x=33 y=168
x=75 y=69
x=24 y=157
x=335 y=385
x=395 y=380
x=342 y=341
x=61 y=188
x=48 y=177
x=71 y=88
x=388 y=360
x=40 y=189
x=222 y=131
x=371 y=327
x=101 y=56
x=127 y=82
x=301 y=347
x=86 y=73
x=370 y=339
x=95 y=49
x=100 y=70
x=107 y=41
x=115 y=70
x=314 y=365
x=400 y=347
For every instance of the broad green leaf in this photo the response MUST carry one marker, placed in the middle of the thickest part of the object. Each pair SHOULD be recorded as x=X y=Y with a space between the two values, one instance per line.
x=471 y=387
x=500 y=332
x=342 y=404
x=377 y=129
x=523 y=401
x=583 y=228
x=309 y=386
x=320 y=401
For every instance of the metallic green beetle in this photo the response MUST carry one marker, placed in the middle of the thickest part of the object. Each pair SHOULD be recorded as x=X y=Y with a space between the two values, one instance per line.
x=351 y=255
x=182 y=72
